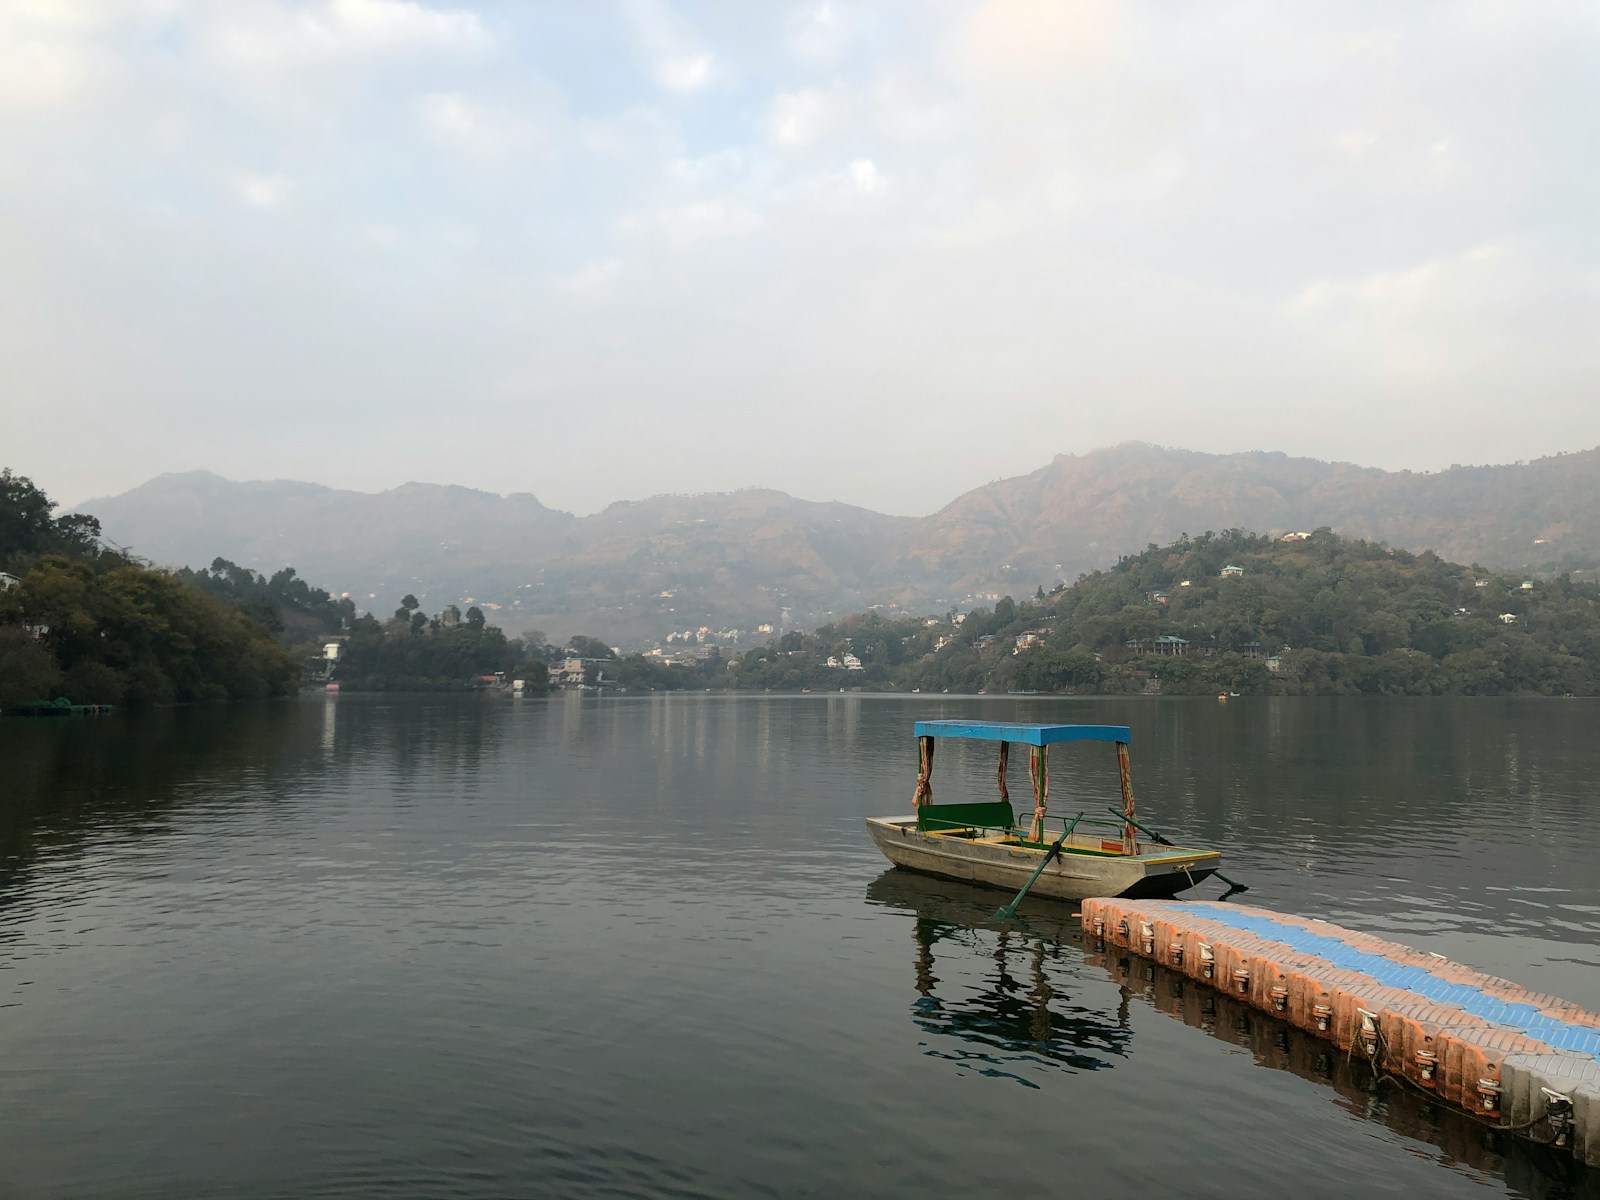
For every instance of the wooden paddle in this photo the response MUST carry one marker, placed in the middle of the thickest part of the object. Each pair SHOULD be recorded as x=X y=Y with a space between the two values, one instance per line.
x=1007 y=911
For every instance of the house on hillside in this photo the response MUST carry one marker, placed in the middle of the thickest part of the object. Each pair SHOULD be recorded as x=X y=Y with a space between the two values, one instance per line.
x=7 y=582
x=1231 y=571
x=1296 y=536
x=1527 y=585
x=1161 y=598
x=571 y=672
x=1027 y=640
x=1166 y=644
x=1508 y=618
x=1274 y=663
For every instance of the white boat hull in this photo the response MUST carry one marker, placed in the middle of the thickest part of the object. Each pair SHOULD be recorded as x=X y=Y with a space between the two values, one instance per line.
x=1159 y=871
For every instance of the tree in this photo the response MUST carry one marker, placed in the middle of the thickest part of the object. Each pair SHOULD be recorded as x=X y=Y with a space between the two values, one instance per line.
x=25 y=524
x=535 y=675
x=583 y=646
x=28 y=672
x=28 y=531
x=474 y=617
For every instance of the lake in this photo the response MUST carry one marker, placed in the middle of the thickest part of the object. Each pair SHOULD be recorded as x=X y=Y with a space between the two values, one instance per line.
x=642 y=946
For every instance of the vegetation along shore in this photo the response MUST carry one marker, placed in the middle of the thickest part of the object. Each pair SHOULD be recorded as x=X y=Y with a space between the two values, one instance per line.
x=1307 y=613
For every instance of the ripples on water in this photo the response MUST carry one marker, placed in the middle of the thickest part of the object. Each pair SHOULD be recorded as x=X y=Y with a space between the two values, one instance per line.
x=642 y=946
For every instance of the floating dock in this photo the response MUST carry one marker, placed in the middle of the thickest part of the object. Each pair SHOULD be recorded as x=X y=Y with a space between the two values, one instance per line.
x=60 y=708
x=1523 y=1062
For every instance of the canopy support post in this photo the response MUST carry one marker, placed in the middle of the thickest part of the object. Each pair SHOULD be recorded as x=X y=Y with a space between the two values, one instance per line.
x=1039 y=772
x=1128 y=846
x=1005 y=754
x=924 y=793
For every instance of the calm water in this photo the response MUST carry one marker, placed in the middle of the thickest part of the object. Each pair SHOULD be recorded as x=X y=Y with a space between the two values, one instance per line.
x=642 y=946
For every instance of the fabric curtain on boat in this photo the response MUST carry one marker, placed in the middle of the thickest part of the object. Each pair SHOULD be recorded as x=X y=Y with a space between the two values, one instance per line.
x=1127 y=797
x=1039 y=773
x=924 y=793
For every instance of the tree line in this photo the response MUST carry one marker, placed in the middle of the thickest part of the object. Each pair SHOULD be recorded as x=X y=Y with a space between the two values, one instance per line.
x=92 y=624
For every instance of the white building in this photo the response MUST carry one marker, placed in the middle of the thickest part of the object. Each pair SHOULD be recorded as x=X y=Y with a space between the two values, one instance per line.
x=7 y=582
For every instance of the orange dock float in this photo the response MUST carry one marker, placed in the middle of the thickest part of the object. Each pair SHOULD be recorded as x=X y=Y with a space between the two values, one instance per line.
x=1524 y=1062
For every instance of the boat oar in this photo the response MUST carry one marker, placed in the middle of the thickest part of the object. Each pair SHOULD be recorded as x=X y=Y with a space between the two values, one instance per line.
x=1006 y=912
x=1159 y=840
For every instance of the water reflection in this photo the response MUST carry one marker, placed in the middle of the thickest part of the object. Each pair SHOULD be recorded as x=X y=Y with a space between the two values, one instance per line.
x=453 y=946
x=1022 y=1014
x=1018 y=1010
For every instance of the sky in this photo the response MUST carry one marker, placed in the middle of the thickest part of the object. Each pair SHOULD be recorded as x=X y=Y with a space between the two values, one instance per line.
x=876 y=252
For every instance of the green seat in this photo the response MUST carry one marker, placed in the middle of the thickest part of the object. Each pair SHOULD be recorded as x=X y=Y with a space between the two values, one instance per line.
x=996 y=814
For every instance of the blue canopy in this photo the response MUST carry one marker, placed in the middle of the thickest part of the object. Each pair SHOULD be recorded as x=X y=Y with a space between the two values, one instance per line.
x=1021 y=731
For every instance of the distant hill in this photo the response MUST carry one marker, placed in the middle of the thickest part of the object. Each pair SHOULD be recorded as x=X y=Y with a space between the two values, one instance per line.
x=641 y=568
x=1235 y=612
x=1083 y=511
x=635 y=570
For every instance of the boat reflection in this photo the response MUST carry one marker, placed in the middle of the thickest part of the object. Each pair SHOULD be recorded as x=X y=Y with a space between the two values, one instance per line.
x=1009 y=1010
x=1017 y=1017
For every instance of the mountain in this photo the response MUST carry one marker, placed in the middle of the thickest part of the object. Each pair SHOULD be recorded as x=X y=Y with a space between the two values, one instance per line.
x=641 y=568
x=635 y=570
x=1082 y=511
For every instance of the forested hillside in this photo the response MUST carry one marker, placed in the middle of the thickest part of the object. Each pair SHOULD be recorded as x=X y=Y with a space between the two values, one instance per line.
x=1230 y=612
x=97 y=627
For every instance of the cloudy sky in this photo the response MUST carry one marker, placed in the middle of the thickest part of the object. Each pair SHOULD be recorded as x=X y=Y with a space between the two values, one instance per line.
x=873 y=252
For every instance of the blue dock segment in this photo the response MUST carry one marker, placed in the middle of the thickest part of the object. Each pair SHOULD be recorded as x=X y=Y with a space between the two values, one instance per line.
x=1555 y=1031
x=1521 y=1061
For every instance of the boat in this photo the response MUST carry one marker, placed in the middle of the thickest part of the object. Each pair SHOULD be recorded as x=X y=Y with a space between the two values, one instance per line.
x=982 y=841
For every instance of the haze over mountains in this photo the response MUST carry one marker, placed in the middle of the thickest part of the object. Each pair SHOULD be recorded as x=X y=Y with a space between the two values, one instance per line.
x=638 y=569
